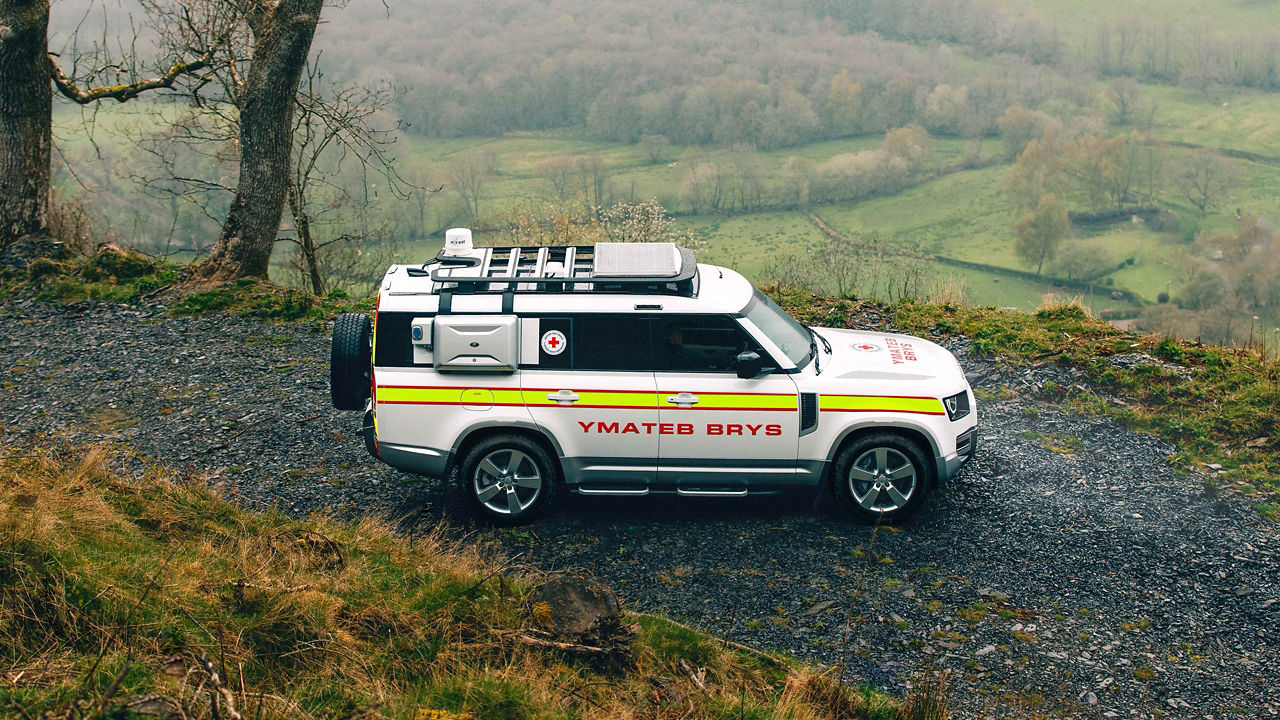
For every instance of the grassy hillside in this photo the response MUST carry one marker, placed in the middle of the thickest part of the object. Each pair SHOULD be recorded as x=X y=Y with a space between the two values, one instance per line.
x=130 y=595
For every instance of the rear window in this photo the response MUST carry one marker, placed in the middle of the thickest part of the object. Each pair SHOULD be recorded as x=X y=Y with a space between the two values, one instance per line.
x=392 y=346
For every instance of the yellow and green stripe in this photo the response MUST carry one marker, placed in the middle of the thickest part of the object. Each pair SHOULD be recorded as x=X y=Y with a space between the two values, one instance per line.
x=881 y=403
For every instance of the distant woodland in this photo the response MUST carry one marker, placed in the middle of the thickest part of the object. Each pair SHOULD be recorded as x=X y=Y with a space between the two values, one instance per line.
x=711 y=110
x=769 y=74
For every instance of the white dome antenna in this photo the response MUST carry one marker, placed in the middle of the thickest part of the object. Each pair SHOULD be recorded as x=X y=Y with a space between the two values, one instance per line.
x=457 y=242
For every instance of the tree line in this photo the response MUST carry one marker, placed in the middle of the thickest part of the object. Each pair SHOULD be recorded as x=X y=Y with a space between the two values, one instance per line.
x=765 y=74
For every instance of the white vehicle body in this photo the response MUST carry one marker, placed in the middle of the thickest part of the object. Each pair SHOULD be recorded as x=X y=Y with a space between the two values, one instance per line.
x=630 y=388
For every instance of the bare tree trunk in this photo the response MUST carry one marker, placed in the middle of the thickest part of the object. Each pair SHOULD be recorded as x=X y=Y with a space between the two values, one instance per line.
x=282 y=36
x=26 y=117
x=26 y=110
x=305 y=242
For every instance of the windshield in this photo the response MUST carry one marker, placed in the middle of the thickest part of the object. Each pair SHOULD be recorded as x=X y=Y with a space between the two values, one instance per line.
x=790 y=336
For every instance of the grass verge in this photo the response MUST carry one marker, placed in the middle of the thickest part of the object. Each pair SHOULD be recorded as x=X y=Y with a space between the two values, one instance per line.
x=124 y=596
x=248 y=296
x=1219 y=406
x=130 y=278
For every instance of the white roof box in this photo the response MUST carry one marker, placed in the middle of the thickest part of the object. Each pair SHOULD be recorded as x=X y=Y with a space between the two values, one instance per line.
x=636 y=260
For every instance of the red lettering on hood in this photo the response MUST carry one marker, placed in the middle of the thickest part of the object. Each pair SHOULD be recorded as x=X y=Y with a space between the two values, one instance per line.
x=900 y=351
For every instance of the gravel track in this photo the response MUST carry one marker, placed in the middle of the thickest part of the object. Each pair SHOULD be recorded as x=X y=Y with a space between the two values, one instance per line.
x=1090 y=580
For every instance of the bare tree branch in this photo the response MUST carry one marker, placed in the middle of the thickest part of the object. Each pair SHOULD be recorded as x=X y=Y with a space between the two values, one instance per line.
x=132 y=90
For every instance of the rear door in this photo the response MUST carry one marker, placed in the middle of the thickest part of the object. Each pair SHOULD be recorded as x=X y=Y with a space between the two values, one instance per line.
x=726 y=434
x=592 y=387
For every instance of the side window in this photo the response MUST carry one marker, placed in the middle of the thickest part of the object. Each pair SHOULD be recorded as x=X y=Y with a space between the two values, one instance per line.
x=611 y=342
x=595 y=342
x=700 y=343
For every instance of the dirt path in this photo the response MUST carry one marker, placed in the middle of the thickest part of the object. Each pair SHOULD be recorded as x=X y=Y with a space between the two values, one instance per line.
x=1068 y=564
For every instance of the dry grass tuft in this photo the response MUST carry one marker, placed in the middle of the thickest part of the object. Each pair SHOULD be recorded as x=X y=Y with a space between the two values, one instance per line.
x=147 y=595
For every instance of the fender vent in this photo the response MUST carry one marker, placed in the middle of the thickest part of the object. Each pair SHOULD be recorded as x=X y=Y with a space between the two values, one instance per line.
x=808 y=412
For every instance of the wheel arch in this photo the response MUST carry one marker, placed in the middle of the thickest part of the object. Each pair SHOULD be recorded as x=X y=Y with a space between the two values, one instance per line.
x=913 y=432
x=479 y=431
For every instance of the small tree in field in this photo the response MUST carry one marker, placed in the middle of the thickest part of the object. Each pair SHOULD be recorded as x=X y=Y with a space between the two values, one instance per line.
x=654 y=146
x=1205 y=178
x=1041 y=231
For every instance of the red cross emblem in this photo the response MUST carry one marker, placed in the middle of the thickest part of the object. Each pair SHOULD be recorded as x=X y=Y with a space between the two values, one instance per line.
x=553 y=342
x=866 y=347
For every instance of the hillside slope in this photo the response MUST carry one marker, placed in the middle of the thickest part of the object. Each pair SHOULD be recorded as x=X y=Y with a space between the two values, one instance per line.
x=1071 y=563
x=147 y=595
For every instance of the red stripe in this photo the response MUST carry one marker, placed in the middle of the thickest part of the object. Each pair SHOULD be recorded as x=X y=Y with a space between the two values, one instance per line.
x=446 y=402
x=557 y=389
x=600 y=407
x=699 y=392
x=443 y=387
x=744 y=409
x=892 y=397
x=913 y=412
x=454 y=402
x=565 y=387
x=596 y=407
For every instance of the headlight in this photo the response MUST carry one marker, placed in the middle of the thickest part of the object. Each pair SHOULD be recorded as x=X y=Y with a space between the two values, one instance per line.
x=957 y=405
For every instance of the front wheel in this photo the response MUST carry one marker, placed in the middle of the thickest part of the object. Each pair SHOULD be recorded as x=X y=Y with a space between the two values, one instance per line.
x=508 y=479
x=882 y=476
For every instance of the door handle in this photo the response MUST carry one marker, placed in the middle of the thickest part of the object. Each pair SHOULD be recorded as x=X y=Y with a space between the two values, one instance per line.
x=564 y=397
x=684 y=400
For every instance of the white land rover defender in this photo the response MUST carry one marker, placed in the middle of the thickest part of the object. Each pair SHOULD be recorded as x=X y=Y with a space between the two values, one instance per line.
x=629 y=369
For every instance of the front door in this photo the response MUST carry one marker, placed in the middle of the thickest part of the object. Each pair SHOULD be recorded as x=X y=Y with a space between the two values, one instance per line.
x=592 y=388
x=720 y=434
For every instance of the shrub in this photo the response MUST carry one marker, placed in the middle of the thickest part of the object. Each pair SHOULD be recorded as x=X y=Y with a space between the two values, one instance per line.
x=121 y=264
x=41 y=268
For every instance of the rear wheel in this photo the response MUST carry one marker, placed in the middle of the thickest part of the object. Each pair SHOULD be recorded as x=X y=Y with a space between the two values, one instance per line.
x=351 y=361
x=881 y=476
x=508 y=478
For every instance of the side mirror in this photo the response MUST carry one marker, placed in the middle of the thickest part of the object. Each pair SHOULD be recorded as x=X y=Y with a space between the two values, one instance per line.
x=749 y=364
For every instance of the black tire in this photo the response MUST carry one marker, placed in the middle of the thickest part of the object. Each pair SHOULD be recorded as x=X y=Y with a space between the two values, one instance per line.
x=350 y=361
x=871 y=479
x=502 y=481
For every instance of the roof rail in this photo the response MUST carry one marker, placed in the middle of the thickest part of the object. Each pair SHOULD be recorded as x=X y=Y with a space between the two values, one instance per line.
x=634 y=268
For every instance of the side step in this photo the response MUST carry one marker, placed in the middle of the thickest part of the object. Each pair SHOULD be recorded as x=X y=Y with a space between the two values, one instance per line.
x=633 y=492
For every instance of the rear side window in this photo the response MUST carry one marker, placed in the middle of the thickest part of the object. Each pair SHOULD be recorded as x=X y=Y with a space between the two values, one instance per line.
x=700 y=343
x=597 y=342
x=392 y=345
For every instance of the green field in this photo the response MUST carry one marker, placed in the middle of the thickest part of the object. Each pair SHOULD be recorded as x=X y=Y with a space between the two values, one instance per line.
x=963 y=215
x=1235 y=119
x=631 y=174
x=1080 y=16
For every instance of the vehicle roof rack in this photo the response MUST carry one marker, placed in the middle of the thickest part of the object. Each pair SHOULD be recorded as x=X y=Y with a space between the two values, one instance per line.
x=633 y=268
